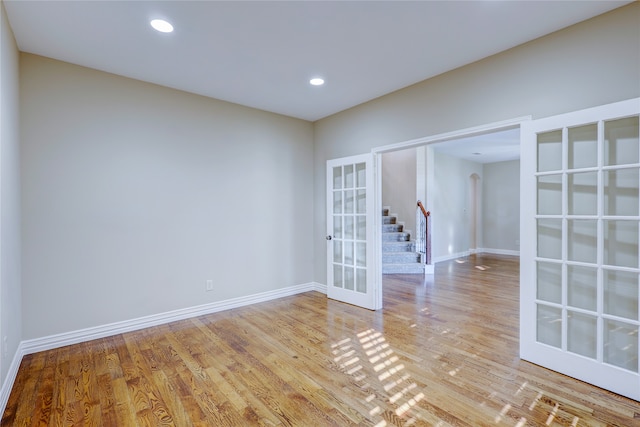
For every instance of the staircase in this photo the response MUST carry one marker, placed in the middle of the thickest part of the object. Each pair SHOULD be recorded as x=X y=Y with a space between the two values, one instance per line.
x=398 y=251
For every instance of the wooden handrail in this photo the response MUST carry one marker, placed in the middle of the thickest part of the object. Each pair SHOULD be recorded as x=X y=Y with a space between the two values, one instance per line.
x=425 y=212
x=424 y=242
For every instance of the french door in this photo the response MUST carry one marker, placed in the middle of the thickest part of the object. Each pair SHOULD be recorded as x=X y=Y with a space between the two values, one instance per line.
x=580 y=234
x=350 y=231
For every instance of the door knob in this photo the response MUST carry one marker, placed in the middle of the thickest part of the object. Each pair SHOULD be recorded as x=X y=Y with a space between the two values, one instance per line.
x=328 y=237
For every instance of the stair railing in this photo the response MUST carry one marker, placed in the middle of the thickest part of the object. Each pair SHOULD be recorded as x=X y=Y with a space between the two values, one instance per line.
x=423 y=237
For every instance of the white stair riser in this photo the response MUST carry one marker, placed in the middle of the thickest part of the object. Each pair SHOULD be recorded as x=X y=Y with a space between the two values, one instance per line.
x=395 y=237
x=403 y=269
x=400 y=257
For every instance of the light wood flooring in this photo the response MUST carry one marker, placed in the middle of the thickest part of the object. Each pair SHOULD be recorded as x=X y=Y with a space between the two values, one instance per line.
x=441 y=353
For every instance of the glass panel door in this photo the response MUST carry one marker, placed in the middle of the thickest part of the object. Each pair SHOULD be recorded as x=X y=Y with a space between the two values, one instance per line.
x=350 y=272
x=580 y=269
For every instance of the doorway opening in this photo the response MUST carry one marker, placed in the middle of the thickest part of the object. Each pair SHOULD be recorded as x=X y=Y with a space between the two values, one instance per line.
x=460 y=212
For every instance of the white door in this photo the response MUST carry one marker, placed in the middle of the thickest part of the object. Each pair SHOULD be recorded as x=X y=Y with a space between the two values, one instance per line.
x=350 y=231
x=580 y=234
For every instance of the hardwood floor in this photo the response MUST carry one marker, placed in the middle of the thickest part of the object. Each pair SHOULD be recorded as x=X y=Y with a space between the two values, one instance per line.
x=441 y=353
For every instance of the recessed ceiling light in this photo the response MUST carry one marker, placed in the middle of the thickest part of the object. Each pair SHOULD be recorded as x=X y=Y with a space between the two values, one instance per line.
x=162 y=25
x=317 y=81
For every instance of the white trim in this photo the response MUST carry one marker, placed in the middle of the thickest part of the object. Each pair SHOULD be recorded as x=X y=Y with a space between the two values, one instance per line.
x=319 y=287
x=7 y=385
x=451 y=256
x=498 y=251
x=476 y=251
x=462 y=133
x=88 y=334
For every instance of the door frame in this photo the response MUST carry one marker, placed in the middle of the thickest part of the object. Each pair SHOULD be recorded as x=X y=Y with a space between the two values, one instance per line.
x=413 y=143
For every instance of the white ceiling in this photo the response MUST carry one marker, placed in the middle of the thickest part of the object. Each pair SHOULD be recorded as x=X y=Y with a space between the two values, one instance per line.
x=262 y=54
x=493 y=147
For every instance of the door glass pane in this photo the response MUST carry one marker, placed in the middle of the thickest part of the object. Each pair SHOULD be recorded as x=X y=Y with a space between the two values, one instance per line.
x=621 y=294
x=361 y=201
x=348 y=252
x=349 y=278
x=582 y=334
x=583 y=193
x=621 y=344
x=349 y=178
x=337 y=177
x=348 y=227
x=361 y=227
x=582 y=287
x=550 y=151
x=337 y=226
x=337 y=202
x=583 y=146
x=550 y=238
x=361 y=280
x=549 y=286
x=550 y=195
x=361 y=254
x=621 y=141
x=549 y=327
x=621 y=192
x=361 y=175
x=349 y=201
x=621 y=243
x=337 y=275
x=581 y=240
x=337 y=251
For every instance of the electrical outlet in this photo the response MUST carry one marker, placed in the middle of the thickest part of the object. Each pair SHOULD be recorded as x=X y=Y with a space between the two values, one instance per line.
x=208 y=285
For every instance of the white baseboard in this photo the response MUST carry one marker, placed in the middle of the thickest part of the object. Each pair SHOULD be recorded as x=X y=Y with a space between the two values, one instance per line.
x=451 y=256
x=7 y=385
x=499 y=251
x=88 y=334
x=319 y=287
x=476 y=251
x=60 y=340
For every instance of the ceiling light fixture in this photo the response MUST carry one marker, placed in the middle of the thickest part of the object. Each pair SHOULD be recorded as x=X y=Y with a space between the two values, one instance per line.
x=316 y=81
x=162 y=25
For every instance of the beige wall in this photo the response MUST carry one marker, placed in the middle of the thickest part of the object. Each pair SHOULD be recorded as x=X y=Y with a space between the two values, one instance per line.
x=135 y=194
x=10 y=292
x=399 y=186
x=450 y=212
x=591 y=63
x=501 y=205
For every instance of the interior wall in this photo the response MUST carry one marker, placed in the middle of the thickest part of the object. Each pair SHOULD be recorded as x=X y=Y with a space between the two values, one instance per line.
x=450 y=213
x=134 y=195
x=399 y=185
x=591 y=63
x=10 y=282
x=501 y=206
